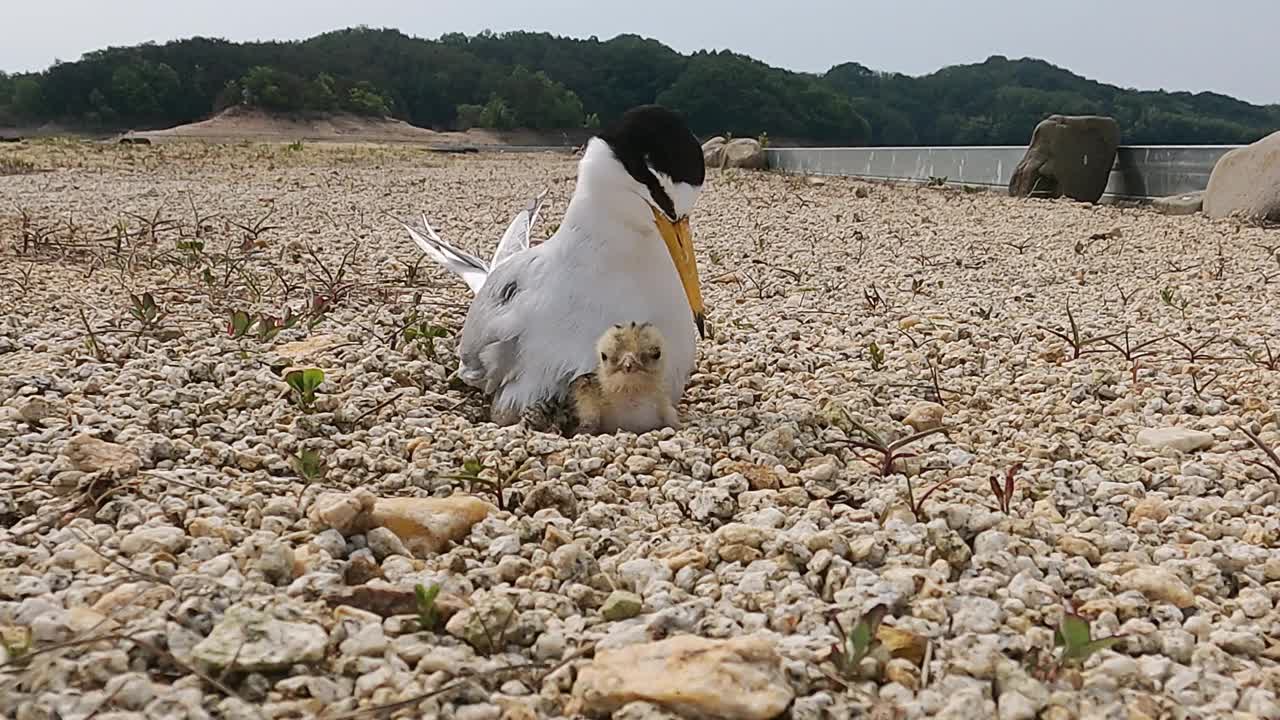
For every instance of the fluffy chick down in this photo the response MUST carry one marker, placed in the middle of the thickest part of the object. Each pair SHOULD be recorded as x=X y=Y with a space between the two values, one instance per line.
x=626 y=391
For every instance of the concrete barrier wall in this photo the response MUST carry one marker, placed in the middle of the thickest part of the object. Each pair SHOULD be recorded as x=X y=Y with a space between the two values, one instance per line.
x=1140 y=171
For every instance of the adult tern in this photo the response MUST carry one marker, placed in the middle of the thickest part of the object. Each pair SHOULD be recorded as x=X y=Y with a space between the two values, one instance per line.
x=623 y=253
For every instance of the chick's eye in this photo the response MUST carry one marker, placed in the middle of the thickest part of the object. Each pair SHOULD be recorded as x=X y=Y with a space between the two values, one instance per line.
x=603 y=356
x=657 y=354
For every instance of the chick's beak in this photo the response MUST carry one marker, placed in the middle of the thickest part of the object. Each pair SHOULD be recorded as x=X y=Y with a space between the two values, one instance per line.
x=629 y=363
x=679 y=240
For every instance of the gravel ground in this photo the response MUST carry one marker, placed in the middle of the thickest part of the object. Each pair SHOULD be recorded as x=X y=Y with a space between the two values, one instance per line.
x=183 y=535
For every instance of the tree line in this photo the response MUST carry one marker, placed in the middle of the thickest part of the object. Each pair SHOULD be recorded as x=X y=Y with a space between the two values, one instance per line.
x=540 y=81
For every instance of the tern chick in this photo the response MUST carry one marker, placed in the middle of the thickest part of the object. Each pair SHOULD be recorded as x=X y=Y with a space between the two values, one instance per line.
x=627 y=390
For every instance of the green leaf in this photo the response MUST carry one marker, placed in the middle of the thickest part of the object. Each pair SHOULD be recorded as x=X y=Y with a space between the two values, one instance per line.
x=308 y=465
x=240 y=322
x=862 y=637
x=428 y=616
x=294 y=379
x=1073 y=635
x=312 y=378
x=1101 y=644
x=304 y=384
x=1074 y=631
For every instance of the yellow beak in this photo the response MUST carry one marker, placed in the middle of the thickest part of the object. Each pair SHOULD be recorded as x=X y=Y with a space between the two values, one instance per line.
x=679 y=240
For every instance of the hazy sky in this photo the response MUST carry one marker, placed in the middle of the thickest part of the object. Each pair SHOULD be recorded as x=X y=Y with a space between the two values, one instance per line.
x=1229 y=46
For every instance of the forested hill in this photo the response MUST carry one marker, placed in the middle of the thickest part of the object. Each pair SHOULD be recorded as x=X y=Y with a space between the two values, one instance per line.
x=540 y=81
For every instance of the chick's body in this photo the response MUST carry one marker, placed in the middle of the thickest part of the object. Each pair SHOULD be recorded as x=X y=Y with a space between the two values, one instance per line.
x=627 y=391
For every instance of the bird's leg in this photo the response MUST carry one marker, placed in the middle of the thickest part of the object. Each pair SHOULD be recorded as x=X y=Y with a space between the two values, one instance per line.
x=589 y=420
x=587 y=404
x=503 y=416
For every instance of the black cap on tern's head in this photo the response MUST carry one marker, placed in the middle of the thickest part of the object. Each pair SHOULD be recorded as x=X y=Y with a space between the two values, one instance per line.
x=659 y=151
x=663 y=164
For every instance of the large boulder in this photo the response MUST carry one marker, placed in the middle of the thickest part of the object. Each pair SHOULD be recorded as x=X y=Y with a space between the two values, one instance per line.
x=713 y=151
x=1069 y=156
x=745 y=153
x=1246 y=182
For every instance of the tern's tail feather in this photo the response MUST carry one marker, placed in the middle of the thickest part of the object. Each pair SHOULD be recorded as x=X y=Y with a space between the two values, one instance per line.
x=470 y=268
x=518 y=233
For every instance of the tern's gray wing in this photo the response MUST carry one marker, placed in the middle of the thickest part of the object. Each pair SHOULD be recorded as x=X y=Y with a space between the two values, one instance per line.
x=489 y=347
x=519 y=232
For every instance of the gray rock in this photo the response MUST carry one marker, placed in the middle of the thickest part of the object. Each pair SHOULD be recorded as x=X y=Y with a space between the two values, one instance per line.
x=385 y=543
x=621 y=605
x=248 y=640
x=976 y=615
x=1069 y=156
x=368 y=641
x=1174 y=438
x=275 y=561
x=778 y=442
x=478 y=711
x=484 y=627
x=1187 y=204
x=746 y=153
x=713 y=152
x=164 y=538
x=1015 y=706
x=641 y=573
x=1245 y=182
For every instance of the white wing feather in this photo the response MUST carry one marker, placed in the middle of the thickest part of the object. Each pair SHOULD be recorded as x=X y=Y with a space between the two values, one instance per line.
x=470 y=268
x=519 y=232
x=473 y=271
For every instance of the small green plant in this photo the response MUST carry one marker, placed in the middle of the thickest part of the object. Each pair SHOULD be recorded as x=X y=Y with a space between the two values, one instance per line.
x=1004 y=493
x=91 y=339
x=304 y=384
x=935 y=181
x=857 y=642
x=916 y=505
x=1131 y=351
x=268 y=327
x=917 y=286
x=874 y=300
x=144 y=309
x=1274 y=466
x=264 y=327
x=1172 y=299
x=192 y=247
x=1196 y=353
x=1075 y=638
x=424 y=334
x=1073 y=336
x=1268 y=361
x=889 y=452
x=875 y=354
x=239 y=324
x=1125 y=297
x=470 y=474
x=295 y=146
x=309 y=465
x=763 y=140
x=428 y=614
